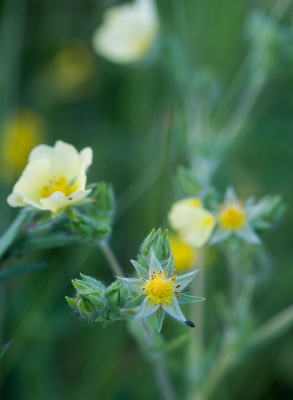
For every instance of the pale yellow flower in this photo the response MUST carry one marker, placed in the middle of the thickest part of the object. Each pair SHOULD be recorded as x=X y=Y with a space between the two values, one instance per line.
x=21 y=133
x=192 y=222
x=128 y=32
x=54 y=178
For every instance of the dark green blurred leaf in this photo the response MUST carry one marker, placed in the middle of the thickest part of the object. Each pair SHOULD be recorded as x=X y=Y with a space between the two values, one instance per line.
x=11 y=273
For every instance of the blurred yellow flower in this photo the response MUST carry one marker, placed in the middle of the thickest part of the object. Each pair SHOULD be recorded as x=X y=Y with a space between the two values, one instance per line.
x=232 y=216
x=192 y=222
x=54 y=178
x=128 y=32
x=184 y=255
x=72 y=68
x=21 y=133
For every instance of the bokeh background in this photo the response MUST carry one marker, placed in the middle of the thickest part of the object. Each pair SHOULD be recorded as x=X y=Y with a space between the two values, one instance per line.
x=53 y=86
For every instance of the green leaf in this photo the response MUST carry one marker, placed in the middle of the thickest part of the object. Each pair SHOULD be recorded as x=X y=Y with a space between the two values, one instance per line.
x=170 y=266
x=174 y=344
x=4 y=348
x=159 y=318
x=11 y=273
x=35 y=244
x=186 y=299
x=9 y=236
x=142 y=272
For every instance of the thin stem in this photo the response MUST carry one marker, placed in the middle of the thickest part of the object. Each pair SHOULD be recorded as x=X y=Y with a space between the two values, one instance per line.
x=270 y=330
x=160 y=372
x=233 y=277
x=277 y=325
x=112 y=260
x=159 y=369
x=196 y=343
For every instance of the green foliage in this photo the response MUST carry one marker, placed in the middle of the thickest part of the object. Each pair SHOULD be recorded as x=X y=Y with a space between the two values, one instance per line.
x=11 y=273
x=92 y=221
x=158 y=243
x=96 y=302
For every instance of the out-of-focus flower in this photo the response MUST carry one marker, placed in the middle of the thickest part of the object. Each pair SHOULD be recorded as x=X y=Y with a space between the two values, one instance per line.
x=54 y=178
x=71 y=70
x=128 y=32
x=21 y=133
x=159 y=291
x=193 y=223
x=184 y=255
x=235 y=218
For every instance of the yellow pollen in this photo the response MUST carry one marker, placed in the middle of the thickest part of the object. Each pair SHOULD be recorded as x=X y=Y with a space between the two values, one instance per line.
x=58 y=185
x=160 y=290
x=232 y=217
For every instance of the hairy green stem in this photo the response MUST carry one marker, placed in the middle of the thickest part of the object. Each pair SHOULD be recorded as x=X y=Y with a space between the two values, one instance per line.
x=270 y=330
x=112 y=260
x=160 y=371
x=196 y=343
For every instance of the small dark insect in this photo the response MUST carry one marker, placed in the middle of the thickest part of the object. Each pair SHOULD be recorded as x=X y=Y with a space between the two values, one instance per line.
x=190 y=324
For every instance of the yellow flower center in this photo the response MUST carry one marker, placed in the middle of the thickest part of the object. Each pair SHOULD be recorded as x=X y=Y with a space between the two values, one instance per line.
x=232 y=217
x=160 y=290
x=196 y=202
x=58 y=185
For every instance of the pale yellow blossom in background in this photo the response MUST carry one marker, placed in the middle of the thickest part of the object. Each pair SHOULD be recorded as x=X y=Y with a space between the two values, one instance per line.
x=128 y=32
x=191 y=221
x=54 y=178
x=185 y=256
x=21 y=133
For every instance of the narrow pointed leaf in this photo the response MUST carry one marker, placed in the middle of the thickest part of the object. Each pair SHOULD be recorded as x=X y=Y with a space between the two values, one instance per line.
x=220 y=235
x=135 y=302
x=159 y=318
x=142 y=272
x=186 y=299
x=146 y=309
x=175 y=311
x=9 y=236
x=185 y=279
x=249 y=235
x=11 y=273
x=155 y=265
x=71 y=302
x=170 y=266
x=30 y=245
x=133 y=284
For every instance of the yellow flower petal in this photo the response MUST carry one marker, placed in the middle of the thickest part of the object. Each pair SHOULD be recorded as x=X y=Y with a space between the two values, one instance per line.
x=193 y=223
x=184 y=255
x=54 y=178
x=21 y=133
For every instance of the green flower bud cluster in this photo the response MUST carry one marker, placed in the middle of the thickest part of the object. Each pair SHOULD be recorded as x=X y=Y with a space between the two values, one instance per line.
x=97 y=302
x=92 y=221
x=158 y=243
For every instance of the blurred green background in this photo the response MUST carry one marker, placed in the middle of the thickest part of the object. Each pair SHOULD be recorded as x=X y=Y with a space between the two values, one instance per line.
x=53 y=86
